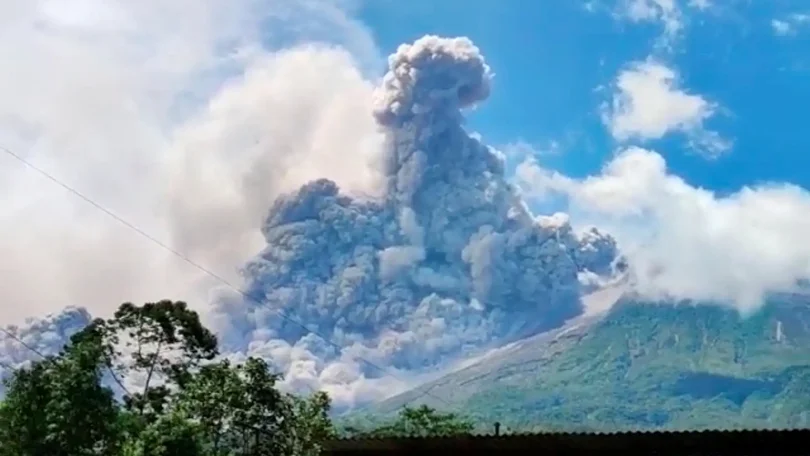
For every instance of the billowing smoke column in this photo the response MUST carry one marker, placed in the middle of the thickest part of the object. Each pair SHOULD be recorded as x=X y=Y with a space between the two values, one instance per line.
x=449 y=260
x=46 y=335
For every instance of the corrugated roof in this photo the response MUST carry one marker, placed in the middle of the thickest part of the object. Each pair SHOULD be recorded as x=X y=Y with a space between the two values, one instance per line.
x=764 y=431
x=718 y=442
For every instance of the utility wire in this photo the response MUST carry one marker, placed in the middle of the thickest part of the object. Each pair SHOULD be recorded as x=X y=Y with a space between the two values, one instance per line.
x=43 y=356
x=8 y=367
x=21 y=342
x=188 y=260
x=10 y=334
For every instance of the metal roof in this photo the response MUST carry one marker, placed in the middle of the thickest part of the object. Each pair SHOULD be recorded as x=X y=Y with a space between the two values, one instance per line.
x=715 y=442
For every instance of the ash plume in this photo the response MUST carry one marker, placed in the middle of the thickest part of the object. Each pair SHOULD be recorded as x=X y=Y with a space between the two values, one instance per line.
x=449 y=259
x=24 y=343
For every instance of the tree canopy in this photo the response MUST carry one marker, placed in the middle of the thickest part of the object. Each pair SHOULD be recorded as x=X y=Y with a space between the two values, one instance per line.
x=422 y=421
x=171 y=395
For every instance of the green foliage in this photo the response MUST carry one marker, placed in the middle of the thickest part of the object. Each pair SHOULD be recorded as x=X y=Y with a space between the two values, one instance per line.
x=309 y=425
x=58 y=406
x=163 y=342
x=241 y=411
x=422 y=421
x=170 y=435
x=265 y=411
x=645 y=366
x=24 y=424
x=213 y=396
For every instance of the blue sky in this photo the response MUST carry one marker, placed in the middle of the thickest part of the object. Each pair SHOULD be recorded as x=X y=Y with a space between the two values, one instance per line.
x=551 y=56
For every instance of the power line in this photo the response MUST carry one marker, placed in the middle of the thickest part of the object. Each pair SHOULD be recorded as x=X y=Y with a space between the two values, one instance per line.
x=23 y=343
x=188 y=260
x=45 y=357
x=7 y=366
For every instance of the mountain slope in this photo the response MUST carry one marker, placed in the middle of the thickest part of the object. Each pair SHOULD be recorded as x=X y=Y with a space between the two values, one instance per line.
x=642 y=365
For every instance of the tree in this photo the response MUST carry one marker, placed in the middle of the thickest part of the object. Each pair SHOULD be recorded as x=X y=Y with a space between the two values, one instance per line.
x=241 y=411
x=212 y=397
x=82 y=411
x=23 y=417
x=265 y=416
x=169 y=435
x=310 y=423
x=161 y=342
x=58 y=406
x=423 y=422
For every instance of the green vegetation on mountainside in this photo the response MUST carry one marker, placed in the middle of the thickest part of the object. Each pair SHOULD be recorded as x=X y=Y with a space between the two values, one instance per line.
x=642 y=366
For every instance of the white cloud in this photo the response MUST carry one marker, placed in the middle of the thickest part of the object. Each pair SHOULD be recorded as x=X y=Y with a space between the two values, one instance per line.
x=673 y=16
x=790 y=24
x=127 y=101
x=648 y=104
x=781 y=27
x=700 y=4
x=665 y=11
x=521 y=149
x=684 y=241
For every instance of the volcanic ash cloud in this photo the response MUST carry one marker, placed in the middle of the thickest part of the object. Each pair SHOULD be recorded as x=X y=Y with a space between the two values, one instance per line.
x=449 y=259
